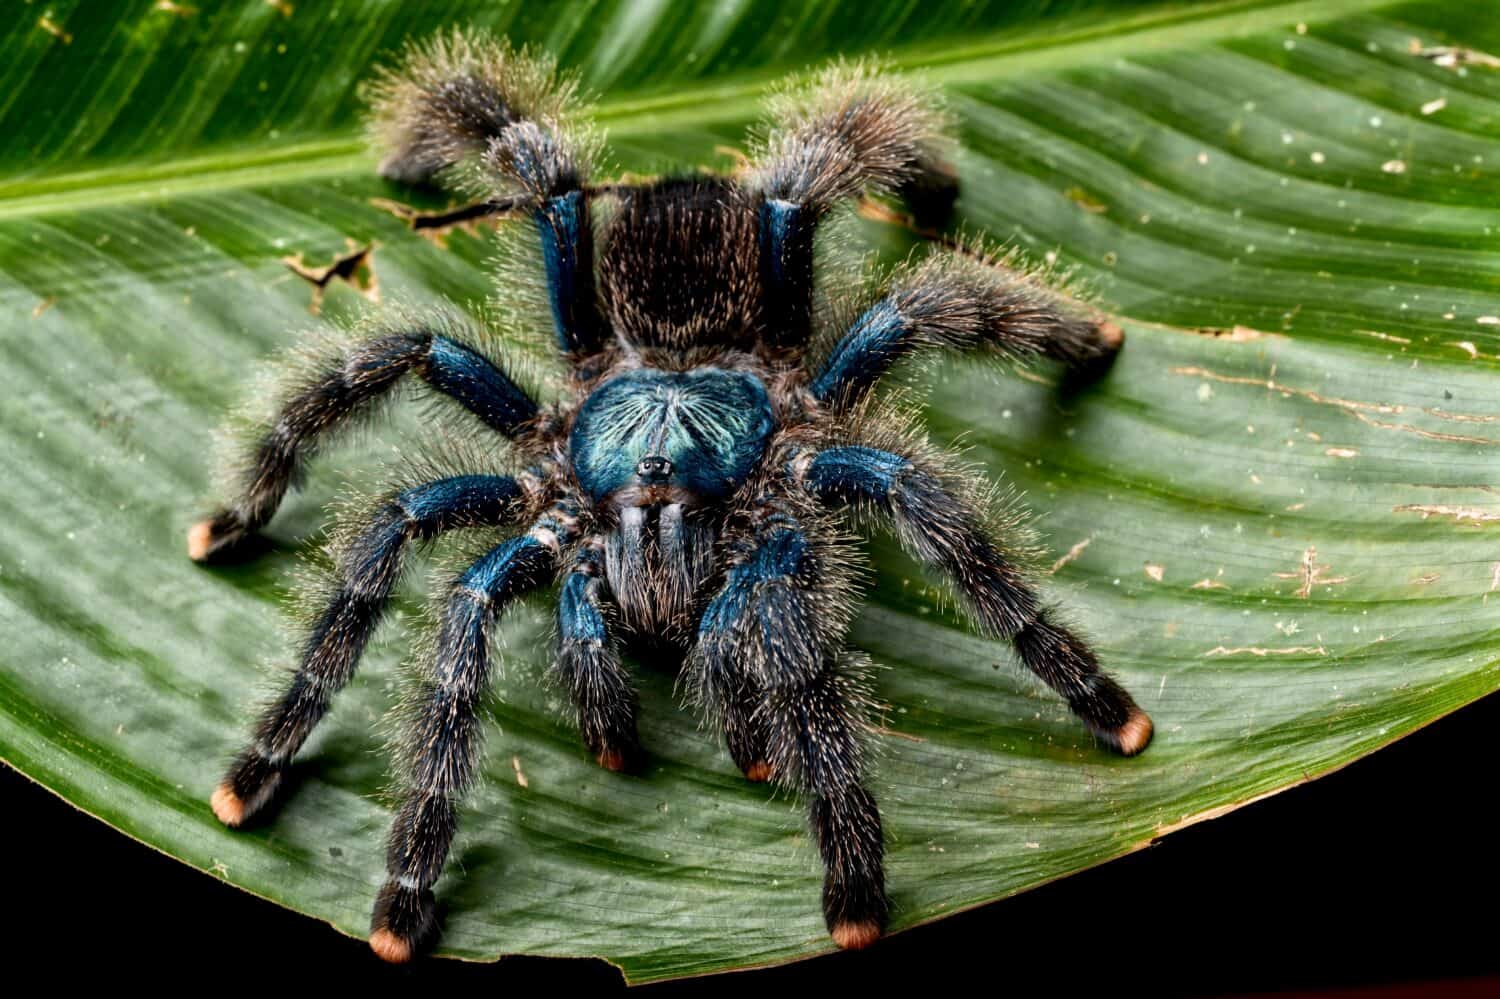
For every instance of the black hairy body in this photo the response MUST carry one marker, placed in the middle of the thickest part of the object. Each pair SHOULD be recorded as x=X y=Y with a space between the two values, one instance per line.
x=687 y=487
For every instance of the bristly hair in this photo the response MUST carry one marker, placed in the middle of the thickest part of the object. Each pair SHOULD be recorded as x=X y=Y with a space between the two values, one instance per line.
x=852 y=125
x=969 y=297
x=448 y=97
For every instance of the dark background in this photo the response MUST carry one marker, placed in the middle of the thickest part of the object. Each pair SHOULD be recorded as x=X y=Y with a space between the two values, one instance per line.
x=1385 y=872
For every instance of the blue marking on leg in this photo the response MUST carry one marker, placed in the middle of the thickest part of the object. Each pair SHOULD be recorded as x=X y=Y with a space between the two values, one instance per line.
x=854 y=472
x=578 y=617
x=508 y=569
x=786 y=259
x=778 y=556
x=463 y=498
x=464 y=374
x=864 y=353
x=567 y=250
x=780 y=233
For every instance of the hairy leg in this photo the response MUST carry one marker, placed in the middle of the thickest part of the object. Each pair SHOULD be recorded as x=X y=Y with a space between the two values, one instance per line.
x=851 y=130
x=767 y=664
x=962 y=303
x=461 y=101
x=443 y=740
x=588 y=663
x=338 y=390
x=366 y=571
x=938 y=523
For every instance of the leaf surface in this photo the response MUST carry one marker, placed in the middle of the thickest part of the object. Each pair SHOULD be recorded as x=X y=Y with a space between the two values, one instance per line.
x=1272 y=516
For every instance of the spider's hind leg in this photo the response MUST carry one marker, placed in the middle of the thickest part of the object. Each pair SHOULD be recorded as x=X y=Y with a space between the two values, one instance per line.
x=367 y=569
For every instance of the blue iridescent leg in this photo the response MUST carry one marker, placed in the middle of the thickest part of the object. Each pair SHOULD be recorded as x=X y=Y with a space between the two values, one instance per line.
x=853 y=132
x=366 y=570
x=960 y=303
x=589 y=666
x=938 y=525
x=341 y=389
x=443 y=740
x=768 y=663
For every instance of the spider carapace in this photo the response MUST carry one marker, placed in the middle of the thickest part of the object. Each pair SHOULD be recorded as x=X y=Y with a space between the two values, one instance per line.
x=714 y=429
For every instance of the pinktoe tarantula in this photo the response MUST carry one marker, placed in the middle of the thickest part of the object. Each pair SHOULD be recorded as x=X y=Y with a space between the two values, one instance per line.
x=688 y=488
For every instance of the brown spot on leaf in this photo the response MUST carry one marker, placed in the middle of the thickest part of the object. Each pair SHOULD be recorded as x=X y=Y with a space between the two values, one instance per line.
x=436 y=226
x=355 y=268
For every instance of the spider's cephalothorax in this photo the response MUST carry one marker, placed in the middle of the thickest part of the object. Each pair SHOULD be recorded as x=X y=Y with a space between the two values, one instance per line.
x=687 y=490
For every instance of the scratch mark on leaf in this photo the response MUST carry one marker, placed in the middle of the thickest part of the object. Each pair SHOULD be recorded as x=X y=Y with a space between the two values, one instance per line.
x=1311 y=574
x=1353 y=407
x=1071 y=554
x=882 y=730
x=1384 y=336
x=54 y=29
x=515 y=762
x=1460 y=514
x=1453 y=56
x=43 y=306
x=1262 y=651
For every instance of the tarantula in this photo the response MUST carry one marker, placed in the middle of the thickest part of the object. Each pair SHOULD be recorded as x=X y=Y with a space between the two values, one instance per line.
x=689 y=487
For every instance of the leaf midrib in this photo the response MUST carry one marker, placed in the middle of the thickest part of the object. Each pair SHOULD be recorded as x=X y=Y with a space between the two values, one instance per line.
x=993 y=58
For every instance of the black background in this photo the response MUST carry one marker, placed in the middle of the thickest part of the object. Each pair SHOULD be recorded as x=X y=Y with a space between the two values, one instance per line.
x=1385 y=872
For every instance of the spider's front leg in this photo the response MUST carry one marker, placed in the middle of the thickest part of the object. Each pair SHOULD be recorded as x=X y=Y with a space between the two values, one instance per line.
x=443 y=740
x=769 y=664
x=461 y=99
x=589 y=666
x=938 y=524
x=367 y=568
x=337 y=391
x=850 y=131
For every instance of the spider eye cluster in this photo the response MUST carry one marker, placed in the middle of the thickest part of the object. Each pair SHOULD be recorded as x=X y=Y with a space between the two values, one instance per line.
x=702 y=431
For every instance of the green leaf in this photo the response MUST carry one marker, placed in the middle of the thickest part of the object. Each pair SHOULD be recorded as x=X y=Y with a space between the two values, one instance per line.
x=1271 y=516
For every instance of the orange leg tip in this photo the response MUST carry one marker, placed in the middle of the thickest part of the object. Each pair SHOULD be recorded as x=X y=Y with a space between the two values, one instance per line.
x=200 y=540
x=612 y=759
x=758 y=772
x=229 y=808
x=389 y=947
x=855 y=936
x=1111 y=335
x=1135 y=734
